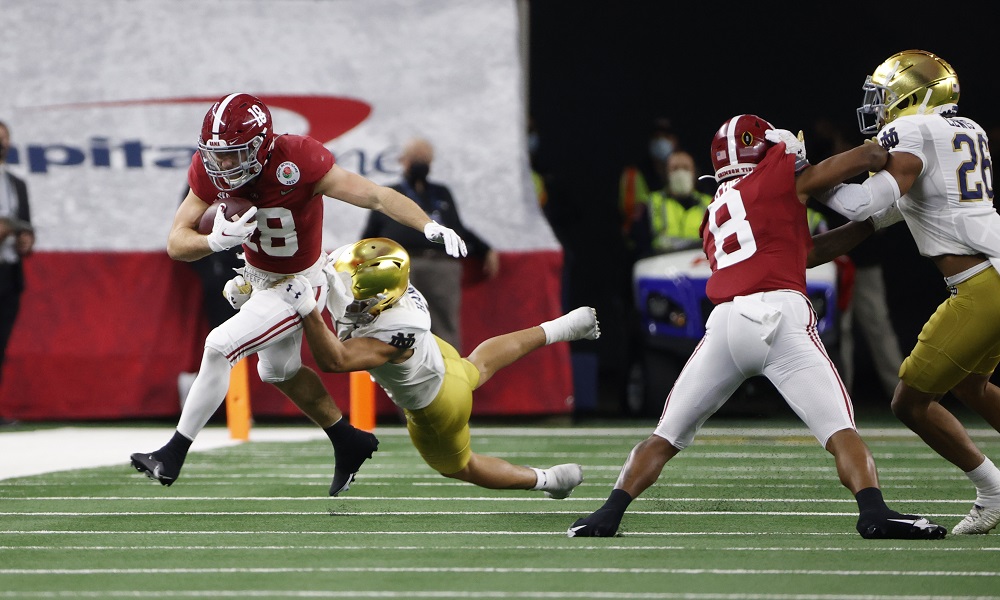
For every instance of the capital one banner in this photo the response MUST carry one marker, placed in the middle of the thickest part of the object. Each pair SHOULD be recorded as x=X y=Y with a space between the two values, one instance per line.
x=105 y=102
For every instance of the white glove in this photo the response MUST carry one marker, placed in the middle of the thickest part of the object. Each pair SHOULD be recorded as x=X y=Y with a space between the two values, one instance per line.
x=453 y=244
x=298 y=293
x=889 y=215
x=226 y=234
x=237 y=291
x=793 y=145
x=339 y=296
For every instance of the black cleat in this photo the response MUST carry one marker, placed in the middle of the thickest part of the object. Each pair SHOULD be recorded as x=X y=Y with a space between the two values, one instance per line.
x=894 y=526
x=603 y=522
x=154 y=468
x=348 y=460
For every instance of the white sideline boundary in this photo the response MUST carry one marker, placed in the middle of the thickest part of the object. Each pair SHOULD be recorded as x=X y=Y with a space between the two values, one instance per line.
x=34 y=452
x=24 y=453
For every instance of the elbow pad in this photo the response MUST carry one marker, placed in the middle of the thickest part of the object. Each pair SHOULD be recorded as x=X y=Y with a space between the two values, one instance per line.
x=858 y=202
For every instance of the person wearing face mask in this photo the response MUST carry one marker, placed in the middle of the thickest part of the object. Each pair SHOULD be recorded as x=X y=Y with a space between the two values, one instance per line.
x=640 y=177
x=17 y=240
x=675 y=212
x=436 y=274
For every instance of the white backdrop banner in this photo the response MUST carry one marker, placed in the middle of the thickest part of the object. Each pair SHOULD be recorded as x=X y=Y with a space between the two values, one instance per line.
x=105 y=102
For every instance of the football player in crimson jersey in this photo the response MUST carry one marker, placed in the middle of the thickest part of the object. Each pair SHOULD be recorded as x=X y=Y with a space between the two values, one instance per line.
x=385 y=326
x=756 y=237
x=285 y=177
x=940 y=174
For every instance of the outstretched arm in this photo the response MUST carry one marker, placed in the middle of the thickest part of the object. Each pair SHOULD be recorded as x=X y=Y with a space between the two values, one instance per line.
x=354 y=189
x=814 y=180
x=331 y=354
x=334 y=356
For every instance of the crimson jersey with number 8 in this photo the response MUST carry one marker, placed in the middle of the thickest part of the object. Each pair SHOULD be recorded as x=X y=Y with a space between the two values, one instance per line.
x=756 y=234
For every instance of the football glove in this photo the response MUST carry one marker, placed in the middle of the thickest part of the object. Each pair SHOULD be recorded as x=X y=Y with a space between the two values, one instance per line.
x=453 y=244
x=227 y=234
x=793 y=145
x=339 y=296
x=298 y=293
x=237 y=291
x=889 y=215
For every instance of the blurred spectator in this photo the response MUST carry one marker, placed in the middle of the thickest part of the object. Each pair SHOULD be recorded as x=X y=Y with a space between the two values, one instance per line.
x=17 y=239
x=649 y=173
x=534 y=143
x=432 y=271
x=671 y=218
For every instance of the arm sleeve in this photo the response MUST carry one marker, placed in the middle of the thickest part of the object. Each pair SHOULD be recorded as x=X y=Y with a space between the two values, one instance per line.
x=857 y=202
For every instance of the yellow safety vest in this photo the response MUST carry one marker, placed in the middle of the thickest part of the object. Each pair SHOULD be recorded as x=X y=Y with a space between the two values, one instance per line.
x=669 y=219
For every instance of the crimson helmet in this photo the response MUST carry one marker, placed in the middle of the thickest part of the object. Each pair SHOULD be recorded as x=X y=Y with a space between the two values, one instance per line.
x=235 y=139
x=739 y=146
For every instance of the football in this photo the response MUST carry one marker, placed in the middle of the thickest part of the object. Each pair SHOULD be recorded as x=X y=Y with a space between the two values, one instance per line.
x=235 y=207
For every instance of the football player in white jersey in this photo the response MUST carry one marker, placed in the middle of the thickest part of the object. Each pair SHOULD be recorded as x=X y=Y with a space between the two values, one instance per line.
x=383 y=326
x=940 y=176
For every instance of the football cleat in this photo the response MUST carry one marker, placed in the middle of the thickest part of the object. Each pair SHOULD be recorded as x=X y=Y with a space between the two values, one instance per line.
x=564 y=479
x=894 y=526
x=601 y=523
x=979 y=520
x=348 y=460
x=154 y=468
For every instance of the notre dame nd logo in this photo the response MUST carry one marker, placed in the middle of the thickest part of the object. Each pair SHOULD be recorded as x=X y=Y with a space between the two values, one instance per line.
x=889 y=138
x=404 y=341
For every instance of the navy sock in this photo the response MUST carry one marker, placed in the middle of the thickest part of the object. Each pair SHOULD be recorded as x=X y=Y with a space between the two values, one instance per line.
x=870 y=500
x=339 y=431
x=618 y=501
x=175 y=449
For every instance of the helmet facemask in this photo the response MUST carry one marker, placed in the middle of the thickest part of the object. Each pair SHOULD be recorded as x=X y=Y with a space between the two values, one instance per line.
x=360 y=312
x=871 y=113
x=217 y=156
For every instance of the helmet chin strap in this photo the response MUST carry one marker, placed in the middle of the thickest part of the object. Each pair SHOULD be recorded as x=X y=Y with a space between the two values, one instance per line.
x=922 y=109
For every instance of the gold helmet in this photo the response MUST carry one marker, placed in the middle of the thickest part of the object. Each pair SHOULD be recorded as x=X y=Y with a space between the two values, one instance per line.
x=912 y=82
x=380 y=274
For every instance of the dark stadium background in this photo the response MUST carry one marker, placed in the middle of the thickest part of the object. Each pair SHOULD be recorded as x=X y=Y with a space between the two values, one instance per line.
x=600 y=73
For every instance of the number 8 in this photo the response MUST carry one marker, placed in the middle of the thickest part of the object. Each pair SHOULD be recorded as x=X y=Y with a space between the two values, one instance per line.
x=735 y=225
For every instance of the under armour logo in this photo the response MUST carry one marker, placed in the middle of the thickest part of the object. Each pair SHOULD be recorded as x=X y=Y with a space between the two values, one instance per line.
x=403 y=341
x=296 y=294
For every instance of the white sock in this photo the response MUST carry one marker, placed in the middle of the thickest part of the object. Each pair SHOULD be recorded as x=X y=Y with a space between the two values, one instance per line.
x=986 y=478
x=541 y=478
x=206 y=395
x=556 y=330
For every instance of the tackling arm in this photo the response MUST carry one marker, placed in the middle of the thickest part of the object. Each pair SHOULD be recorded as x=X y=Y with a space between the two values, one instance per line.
x=334 y=356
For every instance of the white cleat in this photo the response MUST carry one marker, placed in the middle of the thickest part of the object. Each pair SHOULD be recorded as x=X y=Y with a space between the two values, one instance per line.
x=565 y=478
x=583 y=324
x=979 y=520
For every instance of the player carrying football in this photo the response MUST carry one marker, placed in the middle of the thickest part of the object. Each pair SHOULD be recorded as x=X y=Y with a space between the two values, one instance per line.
x=285 y=177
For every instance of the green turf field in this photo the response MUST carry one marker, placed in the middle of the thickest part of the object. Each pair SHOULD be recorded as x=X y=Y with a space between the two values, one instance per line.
x=743 y=513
